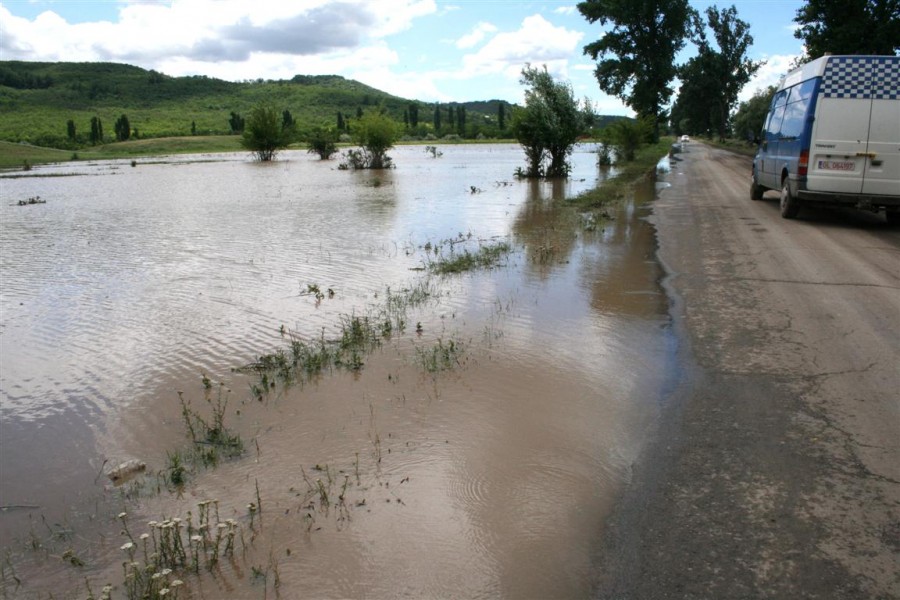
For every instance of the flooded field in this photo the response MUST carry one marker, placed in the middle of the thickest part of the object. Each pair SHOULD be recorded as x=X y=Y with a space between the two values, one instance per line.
x=470 y=448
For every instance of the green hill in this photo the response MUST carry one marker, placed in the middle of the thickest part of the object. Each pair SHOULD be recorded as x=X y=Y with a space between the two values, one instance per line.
x=37 y=99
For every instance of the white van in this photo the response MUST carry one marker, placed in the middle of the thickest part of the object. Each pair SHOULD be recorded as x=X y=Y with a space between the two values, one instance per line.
x=832 y=137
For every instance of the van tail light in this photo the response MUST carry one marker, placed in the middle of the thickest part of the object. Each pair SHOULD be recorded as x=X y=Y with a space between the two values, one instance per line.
x=803 y=165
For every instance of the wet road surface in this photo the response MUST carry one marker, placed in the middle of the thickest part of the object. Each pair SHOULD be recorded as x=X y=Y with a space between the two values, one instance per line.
x=776 y=472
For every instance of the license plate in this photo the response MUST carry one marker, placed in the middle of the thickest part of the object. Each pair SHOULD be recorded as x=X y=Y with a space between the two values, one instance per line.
x=837 y=165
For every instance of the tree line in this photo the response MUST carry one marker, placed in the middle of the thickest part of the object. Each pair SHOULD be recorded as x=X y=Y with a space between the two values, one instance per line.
x=636 y=58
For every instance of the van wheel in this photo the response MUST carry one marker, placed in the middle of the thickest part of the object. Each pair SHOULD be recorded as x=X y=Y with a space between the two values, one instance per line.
x=790 y=206
x=893 y=218
x=756 y=190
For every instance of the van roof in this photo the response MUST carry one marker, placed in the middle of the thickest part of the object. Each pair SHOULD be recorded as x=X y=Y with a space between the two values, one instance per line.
x=887 y=68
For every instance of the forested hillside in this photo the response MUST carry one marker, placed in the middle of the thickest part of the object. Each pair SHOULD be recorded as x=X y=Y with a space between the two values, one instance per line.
x=53 y=104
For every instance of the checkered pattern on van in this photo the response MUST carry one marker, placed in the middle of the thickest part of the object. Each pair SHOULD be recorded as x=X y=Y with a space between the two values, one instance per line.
x=864 y=77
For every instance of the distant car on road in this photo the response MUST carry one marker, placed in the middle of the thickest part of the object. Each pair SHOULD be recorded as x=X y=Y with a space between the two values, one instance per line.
x=685 y=139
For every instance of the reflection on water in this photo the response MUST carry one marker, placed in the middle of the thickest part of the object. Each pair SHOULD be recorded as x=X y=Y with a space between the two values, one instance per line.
x=493 y=478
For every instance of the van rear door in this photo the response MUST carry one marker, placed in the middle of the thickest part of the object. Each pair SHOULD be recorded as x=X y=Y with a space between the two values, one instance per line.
x=882 y=171
x=857 y=127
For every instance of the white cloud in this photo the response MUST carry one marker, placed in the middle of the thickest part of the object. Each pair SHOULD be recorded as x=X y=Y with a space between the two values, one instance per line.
x=565 y=10
x=208 y=32
x=537 y=41
x=770 y=73
x=474 y=37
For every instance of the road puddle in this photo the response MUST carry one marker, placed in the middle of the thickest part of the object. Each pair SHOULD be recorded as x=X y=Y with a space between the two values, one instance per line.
x=474 y=451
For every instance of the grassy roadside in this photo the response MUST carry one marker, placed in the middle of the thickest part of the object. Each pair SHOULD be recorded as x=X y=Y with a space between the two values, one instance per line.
x=732 y=145
x=616 y=187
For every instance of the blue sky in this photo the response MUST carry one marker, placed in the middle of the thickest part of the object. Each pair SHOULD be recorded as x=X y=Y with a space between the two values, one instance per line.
x=431 y=50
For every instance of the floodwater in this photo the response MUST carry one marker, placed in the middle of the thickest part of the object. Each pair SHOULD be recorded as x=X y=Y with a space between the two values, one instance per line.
x=490 y=477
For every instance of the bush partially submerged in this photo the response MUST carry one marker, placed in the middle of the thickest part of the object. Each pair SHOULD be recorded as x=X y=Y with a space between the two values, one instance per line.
x=322 y=142
x=375 y=134
x=265 y=133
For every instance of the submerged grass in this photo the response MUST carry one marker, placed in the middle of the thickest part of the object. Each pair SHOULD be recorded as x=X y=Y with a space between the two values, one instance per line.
x=615 y=188
x=357 y=335
x=442 y=356
x=211 y=440
x=445 y=259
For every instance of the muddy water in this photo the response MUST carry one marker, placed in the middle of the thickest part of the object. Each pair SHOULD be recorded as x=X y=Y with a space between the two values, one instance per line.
x=490 y=478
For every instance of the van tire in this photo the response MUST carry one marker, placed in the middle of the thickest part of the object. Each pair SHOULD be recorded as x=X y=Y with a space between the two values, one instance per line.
x=893 y=218
x=790 y=206
x=756 y=190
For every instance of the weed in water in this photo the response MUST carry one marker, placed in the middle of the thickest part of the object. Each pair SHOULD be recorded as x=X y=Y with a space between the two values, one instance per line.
x=312 y=289
x=210 y=438
x=442 y=356
x=485 y=257
x=175 y=471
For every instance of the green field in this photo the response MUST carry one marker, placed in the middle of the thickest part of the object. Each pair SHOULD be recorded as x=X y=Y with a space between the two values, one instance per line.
x=38 y=100
x=14 y=156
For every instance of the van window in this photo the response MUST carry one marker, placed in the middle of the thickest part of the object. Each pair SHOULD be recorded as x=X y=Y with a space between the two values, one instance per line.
x=803 y=91
x=794 y=117
x=774 y=124
x=795 y=112
x=780 y=98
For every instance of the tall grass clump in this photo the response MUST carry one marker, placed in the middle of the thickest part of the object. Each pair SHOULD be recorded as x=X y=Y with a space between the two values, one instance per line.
x=211 y=440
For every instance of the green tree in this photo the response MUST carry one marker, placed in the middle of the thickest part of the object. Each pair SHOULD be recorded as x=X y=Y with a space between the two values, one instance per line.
x=627 y=136
x=712 y=80
x=323 y=142
x=461 y=120
x=849 y=27
x=264 y=134
x=749 y=118
x=122 y=128
x=501 y=115
x=698 y=100
x=437 y=117
x=638 y=63
x=287 y=119
x=375 y=134
x=96 y=136
x=549 y=124
x=236 y=122
x=70 y=129
x=340 y=122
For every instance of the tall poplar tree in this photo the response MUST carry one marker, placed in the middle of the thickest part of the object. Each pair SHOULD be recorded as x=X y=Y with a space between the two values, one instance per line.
x=712 y=80
x=637 y=57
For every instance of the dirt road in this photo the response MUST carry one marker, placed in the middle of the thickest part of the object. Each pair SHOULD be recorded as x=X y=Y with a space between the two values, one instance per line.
x=776 y=470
